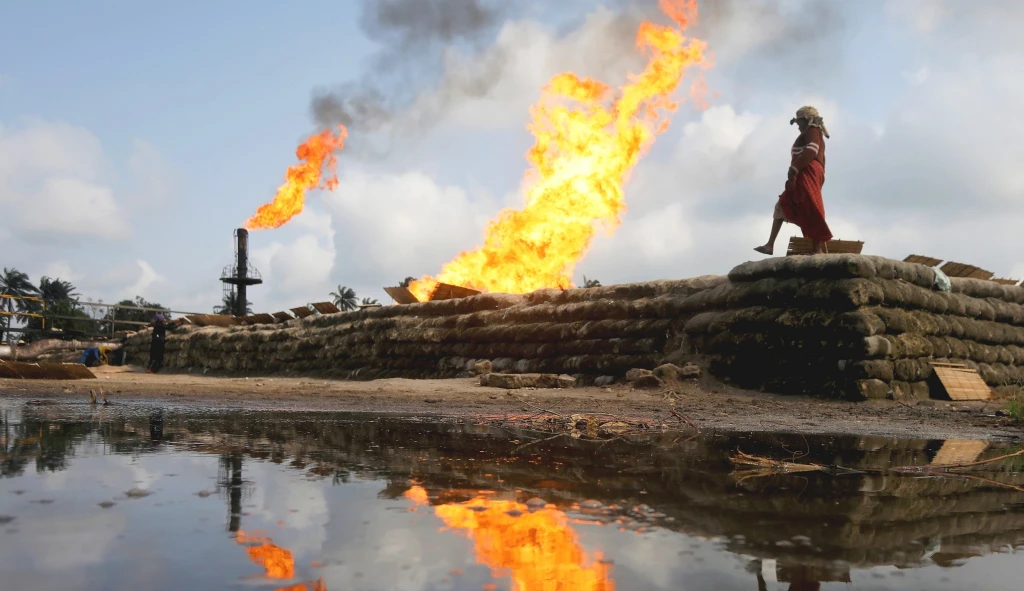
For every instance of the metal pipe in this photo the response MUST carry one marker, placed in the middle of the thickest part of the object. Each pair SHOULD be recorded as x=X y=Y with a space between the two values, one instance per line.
x=39 y=347
x=241 y=270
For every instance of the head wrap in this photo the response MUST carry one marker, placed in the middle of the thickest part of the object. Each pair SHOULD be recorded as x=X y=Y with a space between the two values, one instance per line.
x=810 y=114
x=159 y=318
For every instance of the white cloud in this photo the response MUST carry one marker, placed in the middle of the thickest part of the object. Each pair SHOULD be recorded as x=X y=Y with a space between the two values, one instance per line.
x=392 y=226
x=153 y=180
x=919 y=76
x=51 y=183
x=923 y=15
x=299 y=271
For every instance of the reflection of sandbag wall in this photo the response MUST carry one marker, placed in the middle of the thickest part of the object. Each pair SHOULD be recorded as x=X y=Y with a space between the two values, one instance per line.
x=856 y=325
x=583 y=332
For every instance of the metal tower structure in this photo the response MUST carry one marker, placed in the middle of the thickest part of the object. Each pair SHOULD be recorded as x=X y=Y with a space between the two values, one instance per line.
x=241 y=274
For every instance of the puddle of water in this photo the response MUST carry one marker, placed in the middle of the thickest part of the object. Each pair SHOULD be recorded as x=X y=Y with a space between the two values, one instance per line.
x=170 y=498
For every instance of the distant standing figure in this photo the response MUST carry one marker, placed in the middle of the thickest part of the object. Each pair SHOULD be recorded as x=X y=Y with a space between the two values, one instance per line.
x=801 y=202
x=156 y=346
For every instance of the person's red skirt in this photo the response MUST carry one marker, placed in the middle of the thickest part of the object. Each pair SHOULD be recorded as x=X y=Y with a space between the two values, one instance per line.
x=803 y=206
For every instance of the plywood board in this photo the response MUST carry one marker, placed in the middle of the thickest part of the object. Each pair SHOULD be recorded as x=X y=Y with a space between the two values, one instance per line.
x=798 y=245
x=213 y=320
x=444 y=291
x=961 y=383
x=401 y=295
x=7 y=371
x=325 y=308
x=283 y=316
x=45 y=371
x=1002 y=281
x=259 y=319
x=302 y=312
x=959 y=451
x=954 y=269
x=922 y=260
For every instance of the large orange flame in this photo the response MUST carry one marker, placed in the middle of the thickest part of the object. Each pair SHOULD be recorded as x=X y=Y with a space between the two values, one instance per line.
x=316 y=153
x=587 y=141
x=539 y=550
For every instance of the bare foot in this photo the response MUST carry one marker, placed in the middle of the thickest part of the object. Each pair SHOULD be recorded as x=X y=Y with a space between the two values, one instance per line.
x=765 y=249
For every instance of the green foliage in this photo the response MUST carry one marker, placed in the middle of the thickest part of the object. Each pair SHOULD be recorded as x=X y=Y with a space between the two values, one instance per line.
x=65 y=316
x=17 y=284
x=590 y=282
x=121 y=317
x=407 y=282
x=228 y=303
x=1015 y=406
x=345 y=298
x=369 y=302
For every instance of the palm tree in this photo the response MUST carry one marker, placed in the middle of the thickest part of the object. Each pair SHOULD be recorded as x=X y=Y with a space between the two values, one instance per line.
x=370 y=302
x=229 y=303
x=590 y=282
x=345 y=298
x=406 y=282
x=16 y=284
x=55 y=290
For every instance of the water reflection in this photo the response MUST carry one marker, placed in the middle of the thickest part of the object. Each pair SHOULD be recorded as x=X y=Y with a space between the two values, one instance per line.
x=318 y=500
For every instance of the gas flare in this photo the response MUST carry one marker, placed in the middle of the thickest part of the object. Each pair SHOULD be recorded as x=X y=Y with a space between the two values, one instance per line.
x=316 y=154
x=539 y=550
x=277 y=561
x=588 y=139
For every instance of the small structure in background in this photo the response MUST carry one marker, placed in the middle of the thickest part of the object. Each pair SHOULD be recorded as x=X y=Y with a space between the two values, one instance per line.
x=302 y=312
x=801 y=246
x=283 y=316
x=241 y=274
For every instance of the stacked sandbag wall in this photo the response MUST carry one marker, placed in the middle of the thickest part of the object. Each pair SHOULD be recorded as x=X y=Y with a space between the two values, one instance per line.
x=855 y=326
x=602 y=331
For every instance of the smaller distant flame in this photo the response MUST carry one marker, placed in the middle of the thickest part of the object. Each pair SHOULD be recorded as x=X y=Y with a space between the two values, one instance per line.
x=316 y=154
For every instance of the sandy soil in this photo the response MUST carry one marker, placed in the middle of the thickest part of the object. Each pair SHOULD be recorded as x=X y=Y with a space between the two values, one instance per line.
x=708 y=404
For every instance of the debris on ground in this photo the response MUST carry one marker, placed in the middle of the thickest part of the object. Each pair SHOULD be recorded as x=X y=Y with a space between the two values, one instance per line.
x=515 y=381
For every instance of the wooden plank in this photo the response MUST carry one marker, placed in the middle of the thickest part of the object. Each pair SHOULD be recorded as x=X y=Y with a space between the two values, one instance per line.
x=259 y=319
x=7 y=371
x=961 y=383
x=954 y=269
x=959 y=451
x=445 y=291
x=1002 y=281
x=798 y=246
x=213 y=320
x=922 y=260
x=302 y=312
x=401 y=295
x=325 y=308
x=45 y=371
x=283 y=316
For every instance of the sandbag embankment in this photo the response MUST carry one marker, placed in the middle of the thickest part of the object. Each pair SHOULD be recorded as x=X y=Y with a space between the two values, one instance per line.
x=602 y=331
x=855 y=326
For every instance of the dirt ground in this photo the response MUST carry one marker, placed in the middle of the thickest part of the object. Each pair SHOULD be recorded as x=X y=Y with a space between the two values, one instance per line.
x=707 y=404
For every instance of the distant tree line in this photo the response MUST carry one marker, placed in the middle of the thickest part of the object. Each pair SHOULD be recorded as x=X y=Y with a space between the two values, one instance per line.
x=60 y=310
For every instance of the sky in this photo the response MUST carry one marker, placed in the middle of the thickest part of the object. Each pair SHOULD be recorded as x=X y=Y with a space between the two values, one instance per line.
x=135 y=138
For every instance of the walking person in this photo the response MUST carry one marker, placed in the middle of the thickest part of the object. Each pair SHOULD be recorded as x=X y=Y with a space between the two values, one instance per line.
x=801 y=202
x=156 y=346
